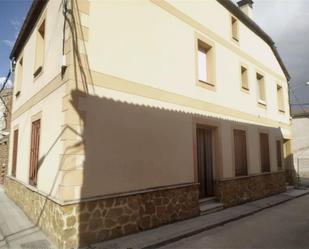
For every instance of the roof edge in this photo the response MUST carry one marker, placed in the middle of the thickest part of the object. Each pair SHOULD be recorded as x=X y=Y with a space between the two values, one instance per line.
x=33 y=14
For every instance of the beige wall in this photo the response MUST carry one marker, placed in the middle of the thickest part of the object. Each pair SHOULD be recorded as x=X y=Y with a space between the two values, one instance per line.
x=52 y=55
x=136 y=124
x=300 y=143
x=49 y=108
x=50 y=112
x=168 y=46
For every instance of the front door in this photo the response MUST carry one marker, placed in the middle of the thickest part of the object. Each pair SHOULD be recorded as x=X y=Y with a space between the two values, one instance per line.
x=205 y=161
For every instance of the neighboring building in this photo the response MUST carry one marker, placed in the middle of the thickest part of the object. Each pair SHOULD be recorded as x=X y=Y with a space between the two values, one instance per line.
x=5 y=124
x=300 y=128
x=138 y=110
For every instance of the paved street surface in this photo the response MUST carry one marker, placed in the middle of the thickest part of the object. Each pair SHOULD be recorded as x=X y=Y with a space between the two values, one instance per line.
x=16 y=230
x=283 y=226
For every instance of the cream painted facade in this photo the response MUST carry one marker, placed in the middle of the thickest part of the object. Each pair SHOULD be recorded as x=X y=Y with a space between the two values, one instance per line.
x=122 y=117
x=121 y=111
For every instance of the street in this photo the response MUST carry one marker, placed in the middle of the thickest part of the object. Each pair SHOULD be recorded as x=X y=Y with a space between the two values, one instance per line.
x=283 y=226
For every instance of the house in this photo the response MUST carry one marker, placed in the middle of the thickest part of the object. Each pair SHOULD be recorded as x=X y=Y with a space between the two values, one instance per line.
x=300 y=140
x=129 y=114
x=5 y=119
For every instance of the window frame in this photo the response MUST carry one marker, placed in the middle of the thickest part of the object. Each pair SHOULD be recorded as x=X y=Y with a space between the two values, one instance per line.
x=19 y=75
x=246 y=154
x=280 y=98
x=268 y=154
x=279 y=154
x=245 y=88
x=35 y=142
x=261 y=102
x=234 y=37
x=209 y=46
x=15 y=152
x=39 y=67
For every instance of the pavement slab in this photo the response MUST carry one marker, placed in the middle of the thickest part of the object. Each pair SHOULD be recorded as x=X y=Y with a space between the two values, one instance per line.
x=16 y=230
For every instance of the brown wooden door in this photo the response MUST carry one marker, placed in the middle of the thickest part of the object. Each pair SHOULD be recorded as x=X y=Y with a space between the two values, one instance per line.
x=264 y=150
x=205 y=161
x=34 y=152
x=240 y=151
x=15 y=147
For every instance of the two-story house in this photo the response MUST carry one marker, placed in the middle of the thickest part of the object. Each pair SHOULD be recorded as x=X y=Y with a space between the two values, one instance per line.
x=129 y=114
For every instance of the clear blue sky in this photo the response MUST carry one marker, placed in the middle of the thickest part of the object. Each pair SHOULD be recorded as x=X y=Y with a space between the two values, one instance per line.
x=12 y=14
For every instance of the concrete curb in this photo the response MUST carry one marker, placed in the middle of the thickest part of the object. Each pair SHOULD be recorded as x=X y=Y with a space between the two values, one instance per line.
x=206 y=228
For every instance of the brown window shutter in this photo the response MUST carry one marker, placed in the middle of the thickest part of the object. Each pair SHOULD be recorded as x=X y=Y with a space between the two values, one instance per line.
x=15 y=146
x=34 y=152
x=240 y=150
x=264 y=150
x=279 y=154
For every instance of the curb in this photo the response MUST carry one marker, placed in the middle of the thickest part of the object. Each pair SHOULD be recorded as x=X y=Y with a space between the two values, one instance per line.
x=200 y=230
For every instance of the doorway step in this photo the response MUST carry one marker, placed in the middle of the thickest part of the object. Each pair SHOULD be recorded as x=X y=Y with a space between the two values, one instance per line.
x=209 y=205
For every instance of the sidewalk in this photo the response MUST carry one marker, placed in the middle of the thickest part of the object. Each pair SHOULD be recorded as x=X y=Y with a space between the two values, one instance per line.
x=16 y=230
x=157 y=237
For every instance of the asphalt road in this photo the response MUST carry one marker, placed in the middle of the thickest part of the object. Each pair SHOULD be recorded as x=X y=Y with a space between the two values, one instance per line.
x=285 y=226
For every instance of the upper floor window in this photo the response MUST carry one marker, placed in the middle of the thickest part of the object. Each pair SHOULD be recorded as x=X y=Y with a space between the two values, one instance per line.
x=235 y=32
x=240 y=153
x=205 y=63
x=40 y=45
x=264 y=152
x=279 y=154
x=261 y=89
x=244 y=78
x=19 y=78
x=280 y=100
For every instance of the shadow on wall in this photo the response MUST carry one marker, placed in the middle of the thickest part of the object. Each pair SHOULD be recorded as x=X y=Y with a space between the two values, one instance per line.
x=131 y=147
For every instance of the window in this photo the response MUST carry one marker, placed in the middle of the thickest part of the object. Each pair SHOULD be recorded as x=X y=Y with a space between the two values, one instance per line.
x=240 y=152
x=40 y=45
x=19 y=77
x=34 y=152
x=261 y=88
x=279 y=154
x=205 y=63
x=280 y=101
x=244 y=78
x=15 y=148
x=235 y=35
x=264 y=152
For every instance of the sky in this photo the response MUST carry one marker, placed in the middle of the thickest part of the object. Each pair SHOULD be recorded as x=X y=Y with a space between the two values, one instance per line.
x=286 y=21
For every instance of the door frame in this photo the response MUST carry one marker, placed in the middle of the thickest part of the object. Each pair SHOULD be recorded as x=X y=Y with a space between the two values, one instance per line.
x=215 y=126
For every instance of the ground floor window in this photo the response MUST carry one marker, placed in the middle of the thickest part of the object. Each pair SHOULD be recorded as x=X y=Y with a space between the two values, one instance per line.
x=15 y=147
x=264 y=152
x=34 y=152
x=240 y=153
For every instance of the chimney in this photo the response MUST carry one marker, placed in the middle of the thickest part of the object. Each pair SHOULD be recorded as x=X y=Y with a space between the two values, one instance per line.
x=246 y=7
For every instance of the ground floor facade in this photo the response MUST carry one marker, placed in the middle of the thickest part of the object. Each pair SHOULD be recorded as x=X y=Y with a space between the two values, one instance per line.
x=135 y=167
x=92 y=167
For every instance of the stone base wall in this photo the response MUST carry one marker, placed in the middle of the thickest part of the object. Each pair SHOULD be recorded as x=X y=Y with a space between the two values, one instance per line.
x=74 y=225
x=236 y=191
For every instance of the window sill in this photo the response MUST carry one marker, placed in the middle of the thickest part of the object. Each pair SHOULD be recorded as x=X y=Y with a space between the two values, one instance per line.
x=207 y=85
x=17 y=94
x=281 y=111
x=245 y=89
x=38 y=72
x=262 y=103
x=235 y=39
